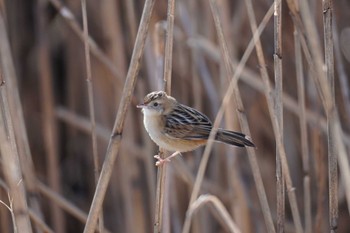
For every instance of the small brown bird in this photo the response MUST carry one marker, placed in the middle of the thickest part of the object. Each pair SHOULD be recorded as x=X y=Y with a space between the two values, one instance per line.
x=177 y=127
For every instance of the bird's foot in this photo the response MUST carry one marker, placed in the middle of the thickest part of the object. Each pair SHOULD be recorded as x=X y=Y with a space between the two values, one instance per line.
x=161 y=161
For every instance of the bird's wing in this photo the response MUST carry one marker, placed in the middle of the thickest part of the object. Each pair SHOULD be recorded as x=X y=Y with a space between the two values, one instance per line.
x=187 y=123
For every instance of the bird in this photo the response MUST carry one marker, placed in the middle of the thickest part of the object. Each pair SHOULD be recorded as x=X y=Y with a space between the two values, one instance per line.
x=180 y=128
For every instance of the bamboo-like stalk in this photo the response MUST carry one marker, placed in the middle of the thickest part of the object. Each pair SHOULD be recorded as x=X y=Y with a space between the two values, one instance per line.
x=90 y=89
x=15 y=107
x=242 y=118
x=114 y=143
x=303 y=133
x=161 y=206
x=11 y=165
x=276 y=126
x=278 y=106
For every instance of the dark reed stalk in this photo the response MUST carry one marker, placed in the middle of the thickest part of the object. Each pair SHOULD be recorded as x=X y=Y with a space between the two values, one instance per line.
x=278 y=106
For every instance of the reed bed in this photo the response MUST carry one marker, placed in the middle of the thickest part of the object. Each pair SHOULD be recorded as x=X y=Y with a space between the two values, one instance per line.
x=74 y=153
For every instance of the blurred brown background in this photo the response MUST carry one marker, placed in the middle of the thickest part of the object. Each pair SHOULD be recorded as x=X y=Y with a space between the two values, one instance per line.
x=47 y=54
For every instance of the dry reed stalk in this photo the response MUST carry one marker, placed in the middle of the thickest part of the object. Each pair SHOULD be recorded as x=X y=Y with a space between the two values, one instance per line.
x=11 y=164
x=48 y=118
x=278 y=106
x=328 y=103
x=303 y=133
x=114 y=143
x=320 y=167
x=243 y=121
x=218 y=206
x=331 y=116
x=66 y=205
x=328 y=99
x=9 y=76
x=316 y=64
x=161 y=207
x=90 y=90
x=275 y=124
x=95 y=50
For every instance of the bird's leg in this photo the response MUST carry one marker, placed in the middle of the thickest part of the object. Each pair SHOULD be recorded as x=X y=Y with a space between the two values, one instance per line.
x=167 y=159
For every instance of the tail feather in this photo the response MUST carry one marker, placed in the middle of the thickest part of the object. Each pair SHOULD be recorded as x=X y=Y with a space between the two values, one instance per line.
x=233 y=138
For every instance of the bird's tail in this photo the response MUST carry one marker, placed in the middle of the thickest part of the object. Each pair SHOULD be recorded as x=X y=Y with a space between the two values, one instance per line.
x=233 y=138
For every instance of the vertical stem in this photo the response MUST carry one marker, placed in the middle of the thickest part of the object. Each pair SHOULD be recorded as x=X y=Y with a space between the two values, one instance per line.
x=10 y=163
x=303 y=132
x=280 y=185
x=90 y=88
x=331 y=116
x=161 y=177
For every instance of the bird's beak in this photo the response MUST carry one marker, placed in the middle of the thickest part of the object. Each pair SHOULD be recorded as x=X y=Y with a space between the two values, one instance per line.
x=141 y=105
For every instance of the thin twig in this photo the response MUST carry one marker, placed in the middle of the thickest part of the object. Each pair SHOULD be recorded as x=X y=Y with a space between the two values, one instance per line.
x=114 y=143
x=90 y=88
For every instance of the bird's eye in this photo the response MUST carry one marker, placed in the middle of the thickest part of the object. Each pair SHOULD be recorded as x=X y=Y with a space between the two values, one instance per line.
x=155 y=104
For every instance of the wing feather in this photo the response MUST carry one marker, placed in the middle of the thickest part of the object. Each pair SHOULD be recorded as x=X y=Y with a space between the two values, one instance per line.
x=187 y=123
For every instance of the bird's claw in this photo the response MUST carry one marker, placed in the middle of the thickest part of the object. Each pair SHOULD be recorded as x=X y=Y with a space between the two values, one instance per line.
x=160 y=160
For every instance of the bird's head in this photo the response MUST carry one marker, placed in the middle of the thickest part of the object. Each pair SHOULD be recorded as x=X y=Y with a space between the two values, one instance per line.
x=156 y=103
